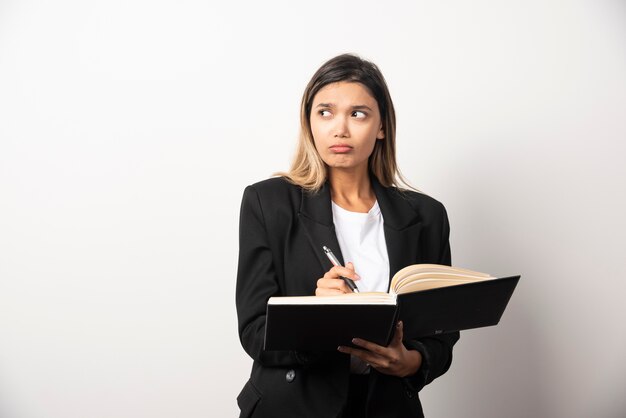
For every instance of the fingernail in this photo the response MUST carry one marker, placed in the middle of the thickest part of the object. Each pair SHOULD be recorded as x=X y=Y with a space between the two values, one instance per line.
x=341 y=348
x=356 y=276
x=355 y=341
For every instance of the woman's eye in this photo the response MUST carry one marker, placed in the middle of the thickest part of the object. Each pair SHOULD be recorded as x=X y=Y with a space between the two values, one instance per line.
x=324 y=113
x=358 y=114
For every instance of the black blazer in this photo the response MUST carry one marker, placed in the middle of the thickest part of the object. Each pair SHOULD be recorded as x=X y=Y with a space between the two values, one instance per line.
x=282 y=231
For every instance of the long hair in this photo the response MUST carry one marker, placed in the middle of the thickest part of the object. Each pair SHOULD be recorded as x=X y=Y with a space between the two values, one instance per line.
x=308 y=170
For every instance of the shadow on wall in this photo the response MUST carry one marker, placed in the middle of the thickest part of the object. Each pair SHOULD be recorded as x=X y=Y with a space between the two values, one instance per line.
x=497 y=215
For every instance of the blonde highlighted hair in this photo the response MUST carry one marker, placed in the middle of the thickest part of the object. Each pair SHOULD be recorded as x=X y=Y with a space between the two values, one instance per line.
x=308 y=170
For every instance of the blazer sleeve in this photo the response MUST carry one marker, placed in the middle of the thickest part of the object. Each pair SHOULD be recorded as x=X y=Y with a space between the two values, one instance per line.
x=257 y=281
x=436 y=350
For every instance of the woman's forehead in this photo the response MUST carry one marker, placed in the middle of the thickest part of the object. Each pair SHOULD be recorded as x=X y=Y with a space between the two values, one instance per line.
x=344 y=93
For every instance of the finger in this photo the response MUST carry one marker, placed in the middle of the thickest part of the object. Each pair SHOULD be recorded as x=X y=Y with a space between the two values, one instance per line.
x=399 y=334
x=330 y=283
x=380 y=363
x=345 y=272
x=367 y=356
x=370 y=346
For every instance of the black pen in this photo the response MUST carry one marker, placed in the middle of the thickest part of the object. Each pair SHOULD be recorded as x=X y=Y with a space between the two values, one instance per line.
x=335 y=262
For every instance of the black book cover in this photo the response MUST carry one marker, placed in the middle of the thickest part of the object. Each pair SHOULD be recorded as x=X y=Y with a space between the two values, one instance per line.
x=455 y=308
x=323 y=327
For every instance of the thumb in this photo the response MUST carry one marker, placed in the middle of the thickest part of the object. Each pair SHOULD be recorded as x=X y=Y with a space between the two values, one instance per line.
x=350 y=266
x=399 y=335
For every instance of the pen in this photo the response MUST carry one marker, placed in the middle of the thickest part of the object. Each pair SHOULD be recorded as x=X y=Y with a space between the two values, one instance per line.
x=335 y=262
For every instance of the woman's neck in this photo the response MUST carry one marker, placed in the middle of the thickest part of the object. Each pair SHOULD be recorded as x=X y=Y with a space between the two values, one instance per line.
x=351 y=191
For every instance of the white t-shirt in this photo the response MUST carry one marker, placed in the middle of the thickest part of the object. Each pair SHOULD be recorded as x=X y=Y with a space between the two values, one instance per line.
x=362 y=241
x=361 y=238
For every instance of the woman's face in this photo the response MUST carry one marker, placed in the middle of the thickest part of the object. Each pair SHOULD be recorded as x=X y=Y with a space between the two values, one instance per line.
x=345 y=122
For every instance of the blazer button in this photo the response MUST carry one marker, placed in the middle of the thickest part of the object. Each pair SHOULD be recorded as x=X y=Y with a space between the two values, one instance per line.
x=409 y=393
x=290 y=376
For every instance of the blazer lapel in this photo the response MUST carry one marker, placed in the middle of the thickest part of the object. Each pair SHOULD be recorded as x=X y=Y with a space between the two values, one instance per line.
x=402 y=227
x=316 y=217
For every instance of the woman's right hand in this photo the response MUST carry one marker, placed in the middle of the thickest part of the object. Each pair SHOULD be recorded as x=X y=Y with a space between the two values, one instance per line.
x=332 y=284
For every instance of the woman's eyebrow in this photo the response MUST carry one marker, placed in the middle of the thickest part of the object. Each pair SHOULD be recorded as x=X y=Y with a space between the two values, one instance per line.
x=355 y=107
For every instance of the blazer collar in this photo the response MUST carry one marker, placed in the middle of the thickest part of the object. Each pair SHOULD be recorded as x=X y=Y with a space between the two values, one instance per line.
x=395 y=207
x=317 y=207
x=401 y=222
x=316 y=215
x=402 y=226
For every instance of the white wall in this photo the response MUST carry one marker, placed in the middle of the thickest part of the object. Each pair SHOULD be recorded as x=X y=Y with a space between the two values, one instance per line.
x=129 y=129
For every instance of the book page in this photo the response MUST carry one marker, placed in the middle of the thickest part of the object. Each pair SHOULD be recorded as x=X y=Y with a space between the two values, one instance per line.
x=430 y=276
x=365 y=298
x=425 y=284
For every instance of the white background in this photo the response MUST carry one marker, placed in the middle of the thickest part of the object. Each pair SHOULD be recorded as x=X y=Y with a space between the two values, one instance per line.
x=128 y=130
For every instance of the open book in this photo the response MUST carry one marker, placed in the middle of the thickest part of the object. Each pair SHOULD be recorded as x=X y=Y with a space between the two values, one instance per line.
x=430 y=299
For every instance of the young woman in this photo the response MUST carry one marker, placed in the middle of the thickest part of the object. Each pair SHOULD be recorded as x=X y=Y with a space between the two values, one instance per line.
x=342 y=191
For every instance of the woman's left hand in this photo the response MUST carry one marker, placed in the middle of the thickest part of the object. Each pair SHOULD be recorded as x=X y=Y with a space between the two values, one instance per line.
x=394 y=359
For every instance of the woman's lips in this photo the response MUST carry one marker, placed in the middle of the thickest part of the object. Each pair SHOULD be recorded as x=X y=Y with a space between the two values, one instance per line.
x=340 y=148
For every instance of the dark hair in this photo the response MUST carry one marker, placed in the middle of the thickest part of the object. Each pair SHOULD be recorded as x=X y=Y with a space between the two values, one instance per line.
x=307 y=168
x=351 y=68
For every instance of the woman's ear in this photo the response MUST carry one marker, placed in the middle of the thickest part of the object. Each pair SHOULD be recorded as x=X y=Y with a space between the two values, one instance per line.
x=381 y=133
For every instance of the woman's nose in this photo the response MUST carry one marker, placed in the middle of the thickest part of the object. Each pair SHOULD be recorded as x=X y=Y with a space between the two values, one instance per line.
x=341 y=129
